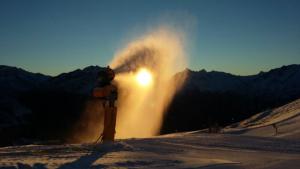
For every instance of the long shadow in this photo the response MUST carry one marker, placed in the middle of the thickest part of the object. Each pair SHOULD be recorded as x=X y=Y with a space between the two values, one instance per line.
x=85 y=161
x=26 y=166
x=220 y=166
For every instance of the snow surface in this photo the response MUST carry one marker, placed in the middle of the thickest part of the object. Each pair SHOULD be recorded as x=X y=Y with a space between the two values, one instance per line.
x=286 y=118
x=249 y=144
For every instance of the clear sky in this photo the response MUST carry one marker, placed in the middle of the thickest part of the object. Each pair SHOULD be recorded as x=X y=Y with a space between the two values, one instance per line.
x=237 y=36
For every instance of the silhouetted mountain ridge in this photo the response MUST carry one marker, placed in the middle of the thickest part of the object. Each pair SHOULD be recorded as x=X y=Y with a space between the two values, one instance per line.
x=34 y=105
x=14 y=79
x=214 y=97
x=279 y=82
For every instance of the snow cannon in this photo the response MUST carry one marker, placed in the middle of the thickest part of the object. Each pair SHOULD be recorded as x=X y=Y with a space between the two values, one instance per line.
x=108 y=94
x=103 y=88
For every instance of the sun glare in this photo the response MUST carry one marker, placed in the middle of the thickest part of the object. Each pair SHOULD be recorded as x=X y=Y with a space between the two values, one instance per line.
x=144 y=77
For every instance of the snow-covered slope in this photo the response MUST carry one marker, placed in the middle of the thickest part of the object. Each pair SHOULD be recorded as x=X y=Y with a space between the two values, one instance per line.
x=185 y=150
x=236 y=148
x=286 y=119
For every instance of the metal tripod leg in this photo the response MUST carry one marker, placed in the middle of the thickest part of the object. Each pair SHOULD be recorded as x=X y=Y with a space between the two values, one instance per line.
x=98 y=138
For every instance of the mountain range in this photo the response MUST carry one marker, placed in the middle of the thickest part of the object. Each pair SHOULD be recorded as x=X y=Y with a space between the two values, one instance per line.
x=280 y=83
x=33 y=105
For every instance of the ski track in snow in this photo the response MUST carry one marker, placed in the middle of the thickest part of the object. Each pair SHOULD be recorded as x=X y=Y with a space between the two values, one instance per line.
x=250 y=144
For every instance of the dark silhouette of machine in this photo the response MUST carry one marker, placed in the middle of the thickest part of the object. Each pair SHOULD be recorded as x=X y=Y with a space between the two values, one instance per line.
x=108 y=94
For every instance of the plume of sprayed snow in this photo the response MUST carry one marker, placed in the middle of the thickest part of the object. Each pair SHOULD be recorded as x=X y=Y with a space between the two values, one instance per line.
x=141 y=109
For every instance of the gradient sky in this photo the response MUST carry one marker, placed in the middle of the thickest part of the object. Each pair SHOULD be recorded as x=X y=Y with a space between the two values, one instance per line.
x=237 y=36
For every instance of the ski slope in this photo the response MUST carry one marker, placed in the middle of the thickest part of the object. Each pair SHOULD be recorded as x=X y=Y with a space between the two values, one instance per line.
x=286 y=119
x=250 y=144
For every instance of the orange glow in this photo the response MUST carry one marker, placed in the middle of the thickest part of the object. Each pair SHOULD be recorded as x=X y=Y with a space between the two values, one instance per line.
x=144 y=77
x=145 y=70
x=143 y=96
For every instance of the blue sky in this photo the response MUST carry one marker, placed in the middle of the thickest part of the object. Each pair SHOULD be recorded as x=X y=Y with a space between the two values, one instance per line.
x=237 y=36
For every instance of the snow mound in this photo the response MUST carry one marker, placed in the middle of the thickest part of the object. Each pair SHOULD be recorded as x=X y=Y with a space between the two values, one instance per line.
x=285 y=118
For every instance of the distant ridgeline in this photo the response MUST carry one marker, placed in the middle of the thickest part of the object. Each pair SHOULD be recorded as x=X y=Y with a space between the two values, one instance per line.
x=36 y=107
x=218 y=98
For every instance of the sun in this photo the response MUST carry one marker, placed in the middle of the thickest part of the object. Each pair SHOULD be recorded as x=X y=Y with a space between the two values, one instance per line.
x=144 y=77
